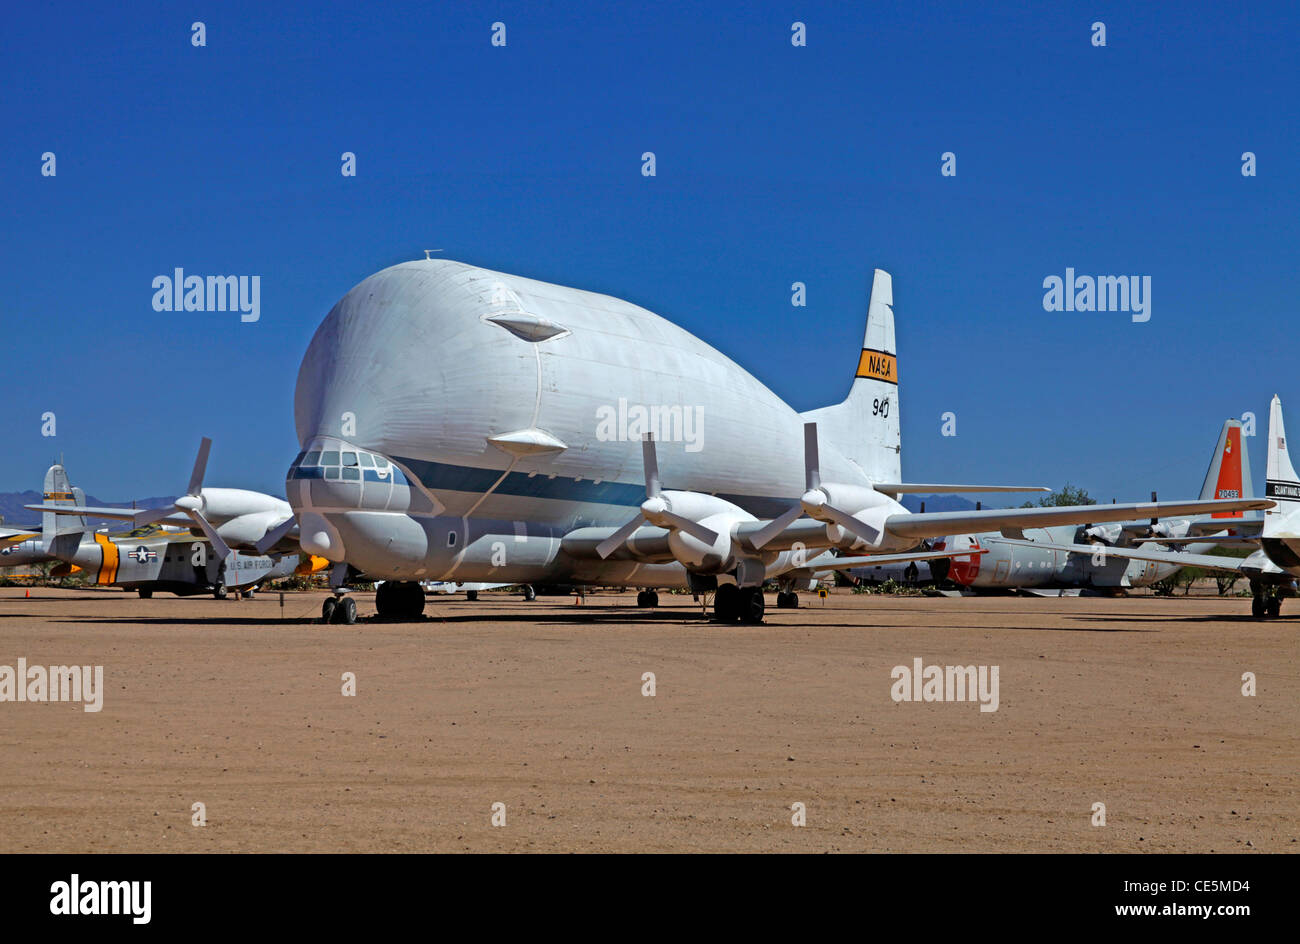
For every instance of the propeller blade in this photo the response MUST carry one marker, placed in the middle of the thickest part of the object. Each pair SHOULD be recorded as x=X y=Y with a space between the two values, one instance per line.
x=617 y=539
x=812 y=472
x=218 y=545
x=200 y=467
x=275 y=535
x=693 y=528
x=651 y=461
x=776 y=526
x=149 y=516
x=851 y=524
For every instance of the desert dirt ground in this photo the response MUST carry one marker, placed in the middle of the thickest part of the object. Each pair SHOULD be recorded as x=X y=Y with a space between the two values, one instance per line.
x=1135 y=703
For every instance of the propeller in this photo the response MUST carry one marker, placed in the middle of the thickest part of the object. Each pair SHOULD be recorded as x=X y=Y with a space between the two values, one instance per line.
x=191 y=504
x=275 y=535
x=813 y=502
x=655 y=509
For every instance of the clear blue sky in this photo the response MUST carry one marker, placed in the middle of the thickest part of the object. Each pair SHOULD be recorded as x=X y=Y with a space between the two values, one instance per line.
x=775 y=164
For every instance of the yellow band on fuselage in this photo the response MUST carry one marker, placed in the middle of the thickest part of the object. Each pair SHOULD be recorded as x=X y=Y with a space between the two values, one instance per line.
x=108 y=566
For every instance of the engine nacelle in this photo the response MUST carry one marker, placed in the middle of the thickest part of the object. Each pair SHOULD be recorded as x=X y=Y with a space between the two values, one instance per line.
x=250 y=528
x=719 y=516
x=864 y=504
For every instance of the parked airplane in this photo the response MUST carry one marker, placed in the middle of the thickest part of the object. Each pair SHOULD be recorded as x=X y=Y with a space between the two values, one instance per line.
x=471 y=589
x=156 y=556
x=463 y=424
x=1036 y=563
x=1273 y=568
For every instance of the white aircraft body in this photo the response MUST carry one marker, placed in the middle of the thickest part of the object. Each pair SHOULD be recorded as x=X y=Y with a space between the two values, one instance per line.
x=468 y=425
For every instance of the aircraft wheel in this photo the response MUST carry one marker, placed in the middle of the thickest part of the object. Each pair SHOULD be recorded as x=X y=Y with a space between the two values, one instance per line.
x=219 y=591
x=383 y=599
x=414 y=601
x=1257 y=607
x=345 y=612
x=1274 y=606
x=726 y=603
x=793 y=600
x=327 y=610
x=471 y=595
x=145 y=594
x=529 y=593
x=752 y=605
x=651 y=599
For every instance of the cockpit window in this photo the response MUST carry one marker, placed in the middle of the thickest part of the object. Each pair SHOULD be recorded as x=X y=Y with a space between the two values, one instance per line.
x=330 y=457
x=349 y=458
x=367 y=460
x=312 y=458
x=351 y=472
x=381 y=462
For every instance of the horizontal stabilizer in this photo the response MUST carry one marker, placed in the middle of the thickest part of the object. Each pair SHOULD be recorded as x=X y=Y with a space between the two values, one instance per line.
x=121 y=514
x=942 y=523
x=892 y=488
x=830 y=562
x=1207 y=561
x=1207 y=539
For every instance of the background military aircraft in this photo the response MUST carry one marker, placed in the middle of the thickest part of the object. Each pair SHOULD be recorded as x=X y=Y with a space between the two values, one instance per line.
x=1038 y=563
x=159 y=556
x=454 y=425
x=1273 y=568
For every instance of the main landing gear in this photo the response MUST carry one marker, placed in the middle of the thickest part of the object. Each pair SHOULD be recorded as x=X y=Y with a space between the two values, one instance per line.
x=647 y=598
x=401 y=600
x=743 y=604
x=1266 y=603
x=1265 y=606
x=787 y=600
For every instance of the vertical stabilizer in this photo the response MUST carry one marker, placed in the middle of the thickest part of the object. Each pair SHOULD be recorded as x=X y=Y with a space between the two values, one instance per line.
x=865 y=426
x=59 y=491
x=1282 y=485
x=1229 y=473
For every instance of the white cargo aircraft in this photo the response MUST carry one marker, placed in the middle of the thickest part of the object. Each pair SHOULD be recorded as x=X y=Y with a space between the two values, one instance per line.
x=463 y=424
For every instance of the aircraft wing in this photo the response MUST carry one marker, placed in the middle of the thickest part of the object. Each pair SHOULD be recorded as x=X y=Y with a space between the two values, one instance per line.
x=1012 y=521
x=830 y=562
x=121 y=514
x=897 y=488
x=1208 y=539
x=9 y=537
x=1207 y=561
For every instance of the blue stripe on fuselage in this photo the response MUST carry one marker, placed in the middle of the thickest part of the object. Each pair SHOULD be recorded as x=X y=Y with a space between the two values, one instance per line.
x=438 y=476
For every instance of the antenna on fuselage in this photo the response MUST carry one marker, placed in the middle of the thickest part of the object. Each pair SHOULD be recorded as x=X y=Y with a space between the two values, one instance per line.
x=428 y=257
